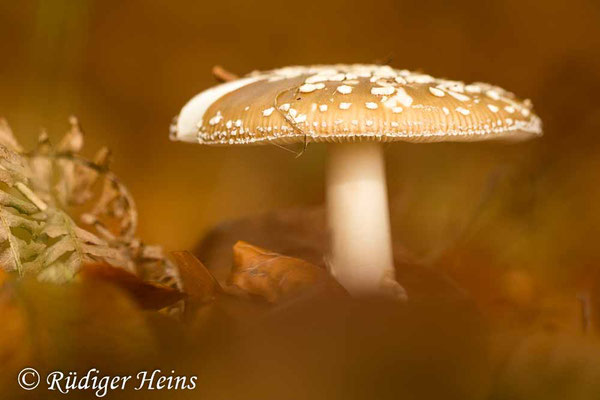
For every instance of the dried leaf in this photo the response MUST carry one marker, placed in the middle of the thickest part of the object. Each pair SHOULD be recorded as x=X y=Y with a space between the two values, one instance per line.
x=43 y=193
x=102 y=157
x=88 y=191
x=196 y=281
x=72 y=142
x=147 y=295
x=298 y=232
x=12 y=168
x=19 y=222
x=67 y=247
x=276 y=277
x=151 y=264
x=85 y=189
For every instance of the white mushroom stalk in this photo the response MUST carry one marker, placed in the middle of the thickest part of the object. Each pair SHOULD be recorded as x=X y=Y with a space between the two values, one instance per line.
x=357 y=212
x=354 y=109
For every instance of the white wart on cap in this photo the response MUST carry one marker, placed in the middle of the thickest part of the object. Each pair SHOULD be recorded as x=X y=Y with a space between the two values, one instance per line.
x=348 y=103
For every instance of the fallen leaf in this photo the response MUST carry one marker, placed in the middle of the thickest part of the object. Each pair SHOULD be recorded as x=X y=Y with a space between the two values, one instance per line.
x=148 y=295
x=200 y=287
x=275 y=277
x=59 y=211
x=299 y=232
x=197 y=281
x=303 y=233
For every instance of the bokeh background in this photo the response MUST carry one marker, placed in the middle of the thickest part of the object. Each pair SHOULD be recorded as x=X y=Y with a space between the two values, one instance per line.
x=515 y=228
x=483 y=212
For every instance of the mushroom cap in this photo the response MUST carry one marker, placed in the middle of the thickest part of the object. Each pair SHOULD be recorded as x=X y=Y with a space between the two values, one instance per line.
x=350 y=103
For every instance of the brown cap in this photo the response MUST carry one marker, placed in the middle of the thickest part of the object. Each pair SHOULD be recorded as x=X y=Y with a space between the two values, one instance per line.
x=348 y=103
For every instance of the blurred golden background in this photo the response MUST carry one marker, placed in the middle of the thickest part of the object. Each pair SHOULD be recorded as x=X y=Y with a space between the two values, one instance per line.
x=125 y=68
x=515 y=227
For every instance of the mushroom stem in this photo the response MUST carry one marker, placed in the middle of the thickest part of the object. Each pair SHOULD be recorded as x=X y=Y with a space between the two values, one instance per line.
x=358 y=216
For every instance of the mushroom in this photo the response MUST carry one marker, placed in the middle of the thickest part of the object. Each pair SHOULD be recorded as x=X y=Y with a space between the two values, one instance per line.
x=354 y=109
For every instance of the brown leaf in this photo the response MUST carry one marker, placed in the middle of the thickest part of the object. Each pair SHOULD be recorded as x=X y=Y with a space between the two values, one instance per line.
x=275 y=277
x=199 y=285
x=148 y=295
x=298 y=232
x=197 y=282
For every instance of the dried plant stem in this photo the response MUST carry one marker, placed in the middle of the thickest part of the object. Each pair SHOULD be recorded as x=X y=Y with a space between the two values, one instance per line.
x=31 y=196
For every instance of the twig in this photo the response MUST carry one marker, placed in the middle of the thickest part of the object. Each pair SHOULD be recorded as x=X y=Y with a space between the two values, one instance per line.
x=222 y=75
